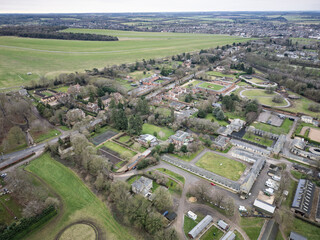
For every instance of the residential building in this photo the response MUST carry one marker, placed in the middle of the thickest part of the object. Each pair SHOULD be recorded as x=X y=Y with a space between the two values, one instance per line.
x=181 y=138
x=147 y=140
x=142 y=186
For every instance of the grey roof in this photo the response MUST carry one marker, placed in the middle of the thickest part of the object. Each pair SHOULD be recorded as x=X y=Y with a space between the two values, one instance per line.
x=180 y=136
x=271 y=230
x=229 y=236
x=200 y=226
x=279 y=144
x=223 y=224
x=250 y=147
x=296 y=236
x=142 y=185
x=304 y=196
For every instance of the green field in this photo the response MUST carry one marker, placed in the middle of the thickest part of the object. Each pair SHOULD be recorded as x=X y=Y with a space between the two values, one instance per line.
x=79 y=203
x=219 y=74
x=222 y=166
x=150 y=129
x=45 y=136
x=188 y=158
x=211 y=86
x=189 y=224
x=48 y=57
x=212 y=234
x=283 y=129
x=252 y=226
x=263 y=98
x=62 y=89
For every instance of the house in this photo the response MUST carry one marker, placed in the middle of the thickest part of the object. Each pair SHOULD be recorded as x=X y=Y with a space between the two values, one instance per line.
x=200 y=226
x=237 y=124
x=147 y=140
x=306 y=119
x=221 y=142
x=223 y=225
x=23 y=92
x=92 y=107
x=264 y=206
x=142 y=186
x=74 y=90
x=303 y=198
x=229 y=236
x=181 y=138
x=296 y=236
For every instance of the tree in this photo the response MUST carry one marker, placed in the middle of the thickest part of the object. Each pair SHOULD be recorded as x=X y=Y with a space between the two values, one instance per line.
x=162 y=199
x=201 y=113
x=184 y=149
x=277 y=99
x=154 y=222
x=16 y=136
x=228 y=103
x=143 y=106
x=135 y=125
x=220 y=115
x=99 y=183
x=188 y=98
x=269 y=90
x=171 y=148
x=100 y=104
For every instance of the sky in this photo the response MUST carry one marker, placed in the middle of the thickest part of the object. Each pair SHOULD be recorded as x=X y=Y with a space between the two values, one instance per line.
x=107 y=6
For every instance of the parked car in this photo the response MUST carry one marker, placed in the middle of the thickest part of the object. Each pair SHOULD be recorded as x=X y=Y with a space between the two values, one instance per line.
x=3 y=175
x=212 y=184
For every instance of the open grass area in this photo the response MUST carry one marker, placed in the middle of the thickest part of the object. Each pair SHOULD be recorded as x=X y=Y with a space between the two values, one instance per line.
x=79 y=232
x=62 y=89
x=124 y=138
x=219 y=74
x=211 y=86
x=212 y=234
x=238 y=235
x=188 y=158
x=40 y=137
x=9 y=208
x=211 y=117
x=79 y=202
x=118 y=148
x=308 y=230
x=301 y=106
x=172 y=174
x=151 y=129
x=263 y=97
x=221 y=165
x=49 y=57
x=257 y=139
x=256 y=80
x=252 y=226
x=292 y=190
x=283 y=129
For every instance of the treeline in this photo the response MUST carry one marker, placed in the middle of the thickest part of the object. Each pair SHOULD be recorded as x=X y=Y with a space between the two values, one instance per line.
x=52 y=32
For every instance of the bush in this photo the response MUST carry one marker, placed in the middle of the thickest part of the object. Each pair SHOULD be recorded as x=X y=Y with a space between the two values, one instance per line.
x=277 y=99
x=314 y=108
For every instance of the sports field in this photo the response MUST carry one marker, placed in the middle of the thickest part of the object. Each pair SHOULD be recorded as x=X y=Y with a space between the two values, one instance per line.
x=222 y=166
x=211 y=86
x=46 y=57
x=79 y=203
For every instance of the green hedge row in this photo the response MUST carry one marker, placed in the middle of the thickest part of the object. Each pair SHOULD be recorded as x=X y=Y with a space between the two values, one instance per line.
x=26 y=225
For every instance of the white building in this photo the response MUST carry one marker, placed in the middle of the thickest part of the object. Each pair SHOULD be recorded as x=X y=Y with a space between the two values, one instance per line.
x=306 y=119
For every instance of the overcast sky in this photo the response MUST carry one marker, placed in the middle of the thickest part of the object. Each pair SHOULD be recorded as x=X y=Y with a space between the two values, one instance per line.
x=84 y=6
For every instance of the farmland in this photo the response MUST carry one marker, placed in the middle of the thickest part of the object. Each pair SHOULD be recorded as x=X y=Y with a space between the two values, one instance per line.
x=44 y=57
x=69 y=187
x=222 y=166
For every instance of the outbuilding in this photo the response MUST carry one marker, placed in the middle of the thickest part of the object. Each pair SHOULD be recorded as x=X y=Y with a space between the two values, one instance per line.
x=200 y=226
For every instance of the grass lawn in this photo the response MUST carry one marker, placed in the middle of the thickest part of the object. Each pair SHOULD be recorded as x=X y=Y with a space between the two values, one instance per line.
x=186 y=157
x=62 y=89
x=6 y=201
x=238 y=235
x=150 y=129
x=256 y=80
x=283 y=129
x=133 y=179
x=263 y=97
x=124 y=138
x=118 y=148
x=45 y=136
x=292 y=190
x=137 y=75
x=50 y=57
x=221 y=122
x=308 y=230
x=212 y=234
x=301 y=106
x=257 y=139
x=219 y=74
x=189 y=224
x=221 y=165
x=211 y=86
x=251 y=226
x=79 y=202
x=172 y=174
x=64 y=128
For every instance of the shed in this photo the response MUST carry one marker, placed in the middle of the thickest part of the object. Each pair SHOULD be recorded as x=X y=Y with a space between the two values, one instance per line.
x=200 y=226
x=296 y=236
x=171 y=216
x=264 y=207
x=223 y=225
x=229 y=236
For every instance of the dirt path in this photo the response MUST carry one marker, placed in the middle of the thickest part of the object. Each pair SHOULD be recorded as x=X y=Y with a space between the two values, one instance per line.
x=98 y=233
